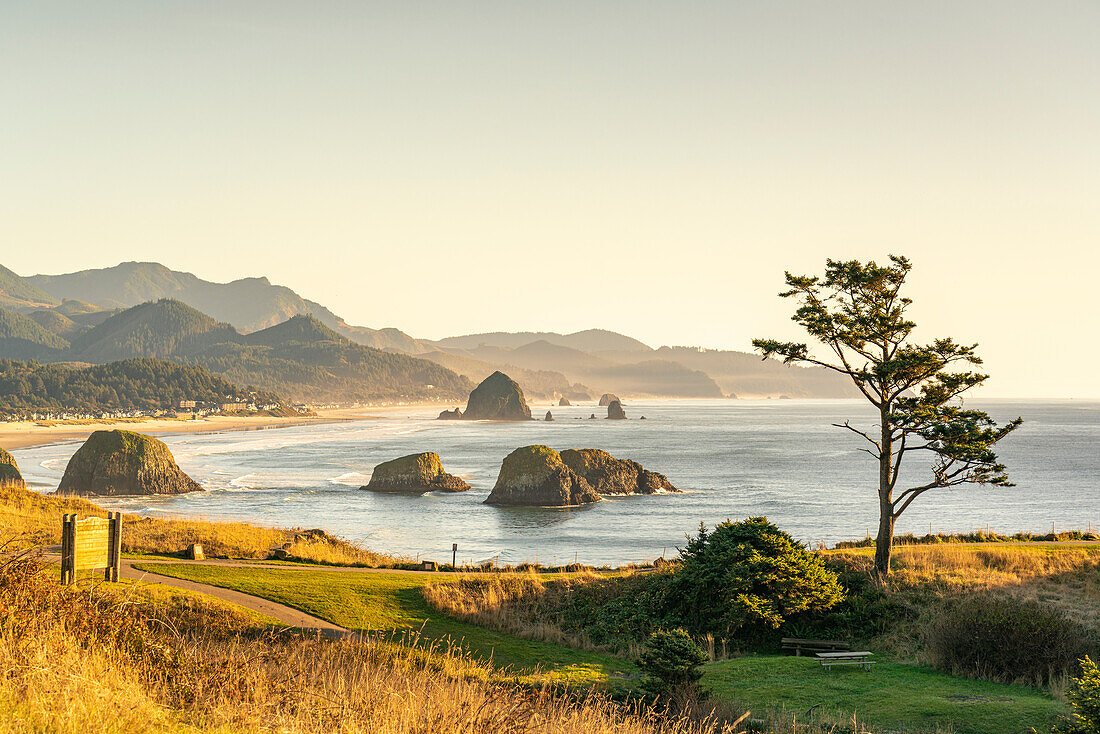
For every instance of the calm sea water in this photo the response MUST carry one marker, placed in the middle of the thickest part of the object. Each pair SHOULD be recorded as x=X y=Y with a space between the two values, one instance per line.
x=733 y=458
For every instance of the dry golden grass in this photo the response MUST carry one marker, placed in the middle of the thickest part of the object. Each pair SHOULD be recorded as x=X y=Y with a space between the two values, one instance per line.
x=1063 y=575
x=95 y=660
x=522 y=604
x=35 y=519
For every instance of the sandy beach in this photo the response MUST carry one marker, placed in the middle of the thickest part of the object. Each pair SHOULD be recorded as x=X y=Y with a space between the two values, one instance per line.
x=27 y=434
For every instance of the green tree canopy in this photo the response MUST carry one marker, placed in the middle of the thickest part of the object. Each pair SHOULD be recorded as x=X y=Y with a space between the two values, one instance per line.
x=858 y=313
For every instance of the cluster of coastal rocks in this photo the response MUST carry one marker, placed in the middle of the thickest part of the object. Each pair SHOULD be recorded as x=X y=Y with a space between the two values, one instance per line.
x=530 y=476
x=500 y=398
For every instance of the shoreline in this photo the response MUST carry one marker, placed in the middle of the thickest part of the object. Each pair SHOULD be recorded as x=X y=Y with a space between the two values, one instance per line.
x=28 y=434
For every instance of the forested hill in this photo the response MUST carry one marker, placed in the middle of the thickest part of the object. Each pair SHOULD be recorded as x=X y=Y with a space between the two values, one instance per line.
x=301 y=359
x=146 y=385
x=18 y=292
x=23 y=338
x=156 y=330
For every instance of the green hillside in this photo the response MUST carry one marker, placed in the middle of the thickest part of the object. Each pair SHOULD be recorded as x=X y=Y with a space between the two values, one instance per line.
x=136 y=384
x=56 y=323
x=17 y=292
x=305 y=360
x=22 y=338
x=300 y=359
x=158 y=330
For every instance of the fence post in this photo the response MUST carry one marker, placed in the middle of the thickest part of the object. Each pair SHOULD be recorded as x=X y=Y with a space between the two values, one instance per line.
x=66 y=550
x=114 y=547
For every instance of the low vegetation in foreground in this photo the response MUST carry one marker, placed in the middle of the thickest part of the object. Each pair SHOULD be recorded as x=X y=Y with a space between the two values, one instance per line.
x=969 y=638
x=108 y=659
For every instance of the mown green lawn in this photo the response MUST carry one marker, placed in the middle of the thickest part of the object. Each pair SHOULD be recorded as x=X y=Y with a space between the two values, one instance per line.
x=391 y=602
x=891 y=695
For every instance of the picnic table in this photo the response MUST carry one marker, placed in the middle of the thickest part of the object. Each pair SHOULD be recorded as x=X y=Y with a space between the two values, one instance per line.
x=798 y=645
x=862 y=658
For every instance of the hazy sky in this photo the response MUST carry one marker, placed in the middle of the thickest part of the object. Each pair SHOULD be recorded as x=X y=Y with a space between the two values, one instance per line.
x=652 y=168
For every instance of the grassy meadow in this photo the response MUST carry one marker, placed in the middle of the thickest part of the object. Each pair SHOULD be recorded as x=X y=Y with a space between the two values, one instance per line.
x=476 y=651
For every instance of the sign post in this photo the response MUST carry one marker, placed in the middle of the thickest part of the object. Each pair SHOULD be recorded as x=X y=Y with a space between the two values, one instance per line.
x=91 y=543
x=454 y=555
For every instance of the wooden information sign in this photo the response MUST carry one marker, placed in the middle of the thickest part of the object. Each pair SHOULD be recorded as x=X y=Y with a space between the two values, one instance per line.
x=90 y=543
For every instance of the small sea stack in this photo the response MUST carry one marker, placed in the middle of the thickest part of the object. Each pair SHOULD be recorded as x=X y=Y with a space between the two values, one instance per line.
x=563 y=402
x=415 y=474
x=549 y=416
x=607 y=398
x=451 y=415
x=119 y=463
x=536 y=476
x=10 y=476
x=497 y=398
x=608 y=475
x=615 y=411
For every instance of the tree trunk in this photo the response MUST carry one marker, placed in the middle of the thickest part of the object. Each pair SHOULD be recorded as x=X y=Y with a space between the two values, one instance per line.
x=885 y=540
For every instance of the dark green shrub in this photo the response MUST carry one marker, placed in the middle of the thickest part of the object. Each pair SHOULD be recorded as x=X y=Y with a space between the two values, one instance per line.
x=671 y=662
x=746 y=577
x=1003 y=638
x=620 y=611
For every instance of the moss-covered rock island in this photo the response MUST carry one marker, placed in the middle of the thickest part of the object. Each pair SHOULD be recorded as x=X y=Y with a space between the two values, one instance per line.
x=536 y=476
x=497 y=398
x=415 y=473
x=609 y=475
x=10 y=475
x=117 y=463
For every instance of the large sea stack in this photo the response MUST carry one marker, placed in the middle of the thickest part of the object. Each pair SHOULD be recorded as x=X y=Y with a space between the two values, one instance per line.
x=115 y=463
x=606 y=398
x=615 y=411
x=609 y=475
x=536 y=475
x=416 y=473
x=9 y=472
x=497 y=398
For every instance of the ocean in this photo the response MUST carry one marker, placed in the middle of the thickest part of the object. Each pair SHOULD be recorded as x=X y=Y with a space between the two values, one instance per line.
x=733 y=459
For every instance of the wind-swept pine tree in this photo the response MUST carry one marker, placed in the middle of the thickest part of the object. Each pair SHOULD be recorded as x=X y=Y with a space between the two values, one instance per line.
x=857 y=311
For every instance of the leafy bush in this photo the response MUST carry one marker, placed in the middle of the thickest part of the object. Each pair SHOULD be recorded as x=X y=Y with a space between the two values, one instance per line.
x=1003 y=638
x=1084 y=699
x=671 y=661
x=748 y=576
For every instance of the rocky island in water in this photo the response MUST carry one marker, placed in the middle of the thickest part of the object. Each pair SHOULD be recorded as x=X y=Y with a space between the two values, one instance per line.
x=118 y=463
x=416 y=473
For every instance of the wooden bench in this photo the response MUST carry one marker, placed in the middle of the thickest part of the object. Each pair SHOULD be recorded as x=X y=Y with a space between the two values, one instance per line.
x=862 y=658
x=798 y=645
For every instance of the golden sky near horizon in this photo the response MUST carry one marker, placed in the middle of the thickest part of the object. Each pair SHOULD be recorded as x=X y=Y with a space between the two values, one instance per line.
x=650 y=168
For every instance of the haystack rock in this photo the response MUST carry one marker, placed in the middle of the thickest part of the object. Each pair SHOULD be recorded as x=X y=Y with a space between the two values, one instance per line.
x=606 y=398
x=563 y=401
x=9 y=472
x=451 y=415
x=549 y=416
x=497 y=398
x=615 y=411
x=609 y=475
x=416 y=473
x=114 y=463
x=536 y=475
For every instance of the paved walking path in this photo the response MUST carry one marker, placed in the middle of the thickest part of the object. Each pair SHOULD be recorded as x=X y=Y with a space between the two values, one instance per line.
x=280 y=612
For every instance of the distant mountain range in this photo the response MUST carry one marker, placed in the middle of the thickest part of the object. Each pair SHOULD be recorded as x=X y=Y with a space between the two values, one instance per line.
x=253 y=332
